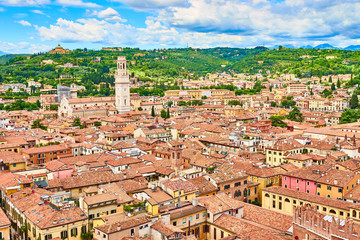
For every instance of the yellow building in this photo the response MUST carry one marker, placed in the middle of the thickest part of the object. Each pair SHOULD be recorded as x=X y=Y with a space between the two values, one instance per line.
x=4 y=226
x=12 y=183
x=198 y=93
x=317 y=104
x=233 y=111
x=98 y=204
x=275 y=155
x=284 y=200
x=265 y=177
x=190 y=219
x=188 y=191
x=283 y=112
x=205 y=187
x=336 y=183
x=155 y=199
x=43 y=222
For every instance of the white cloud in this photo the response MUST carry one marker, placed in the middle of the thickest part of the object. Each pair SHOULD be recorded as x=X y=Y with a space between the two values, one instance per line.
x=282 y=20
x=21 y=3
x=205 y=23
x=24 y=23
x=108 y=14
x=101 y=31
x=77 y=3
x=23 y=47
x=256 y=2
x=294 y=2
x=153 y=4
x=38 y=12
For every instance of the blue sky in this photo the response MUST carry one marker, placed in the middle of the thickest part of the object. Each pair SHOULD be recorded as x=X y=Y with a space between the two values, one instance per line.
x=29 y=26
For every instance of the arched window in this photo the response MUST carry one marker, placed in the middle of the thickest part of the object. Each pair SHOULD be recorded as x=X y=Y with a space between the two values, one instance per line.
x=287 y=200
x=267 y=195
x=332 y=211
x=354 y=213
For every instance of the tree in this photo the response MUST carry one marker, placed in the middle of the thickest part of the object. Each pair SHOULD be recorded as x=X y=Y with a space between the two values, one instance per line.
x=295 y=115
x=37 y=124
x=326 y=93
x=288 y=103
x=182 y=103
x=168 y=113
x=54 y=107
x=38 y=104
x=97 y=124
x=349 y=116
x=170 y=103
x=277 y=121
x=338 y=84
x=354 y=101
x=153 y=111
x=273 y=104
x=163 y=114
x=333 y=87
x=270 y=88
x=330 y=79
x=140 y=108
x=77 y=123
x=235 y=103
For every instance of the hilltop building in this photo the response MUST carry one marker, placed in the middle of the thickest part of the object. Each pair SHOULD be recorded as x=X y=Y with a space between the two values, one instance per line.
x=59 y=50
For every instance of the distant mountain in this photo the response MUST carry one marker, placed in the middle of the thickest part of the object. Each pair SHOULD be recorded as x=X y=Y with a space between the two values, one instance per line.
x=307 y=47
x=2 y=53
x=352 y=47
x=6 y=57
x=283 y=45
x=325 y=46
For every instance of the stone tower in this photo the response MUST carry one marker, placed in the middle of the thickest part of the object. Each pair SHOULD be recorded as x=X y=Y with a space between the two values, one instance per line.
x=122 y=86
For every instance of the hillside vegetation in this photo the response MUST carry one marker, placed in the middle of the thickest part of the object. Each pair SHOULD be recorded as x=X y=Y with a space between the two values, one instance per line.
x=168 y=64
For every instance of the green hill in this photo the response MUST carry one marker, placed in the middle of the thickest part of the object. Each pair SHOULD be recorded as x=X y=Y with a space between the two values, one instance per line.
x=164 y=65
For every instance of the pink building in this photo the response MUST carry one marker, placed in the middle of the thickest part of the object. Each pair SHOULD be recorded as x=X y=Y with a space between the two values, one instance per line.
x=58 y=169
x=299 y=184
x=60 y=174
x=304 y=179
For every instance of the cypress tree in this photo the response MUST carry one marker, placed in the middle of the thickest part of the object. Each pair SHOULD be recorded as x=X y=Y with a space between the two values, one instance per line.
x=354 y=101
x=333 y=87
x=168 y=113
x=153 y=111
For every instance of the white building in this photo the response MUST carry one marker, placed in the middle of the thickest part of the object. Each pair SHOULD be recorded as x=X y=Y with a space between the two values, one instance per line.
x=101 y=106
x=122 y=86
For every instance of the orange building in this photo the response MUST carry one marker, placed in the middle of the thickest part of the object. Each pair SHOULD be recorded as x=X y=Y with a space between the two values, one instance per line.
x=41 y=155
x=59 y=50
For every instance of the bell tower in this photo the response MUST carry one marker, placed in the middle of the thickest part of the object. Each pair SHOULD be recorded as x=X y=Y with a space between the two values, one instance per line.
x=122 y=86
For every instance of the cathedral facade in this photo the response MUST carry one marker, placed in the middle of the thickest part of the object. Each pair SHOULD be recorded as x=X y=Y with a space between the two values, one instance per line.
x=101 y=106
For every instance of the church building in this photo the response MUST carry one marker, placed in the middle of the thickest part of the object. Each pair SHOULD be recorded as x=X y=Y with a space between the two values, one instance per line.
x=101 y=106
